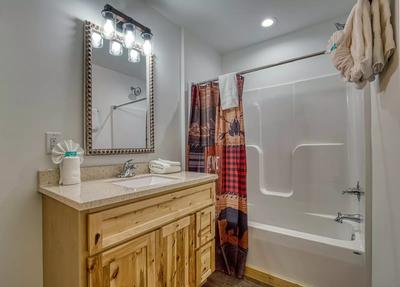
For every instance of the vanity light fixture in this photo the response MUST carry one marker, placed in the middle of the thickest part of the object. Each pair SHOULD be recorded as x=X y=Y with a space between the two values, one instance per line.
x=116 y=48
x=120 y=29
x=97 y=40
x=133 y=56
x=109 y=25
x=268 y=22
x=147 y=49
x=129 y=35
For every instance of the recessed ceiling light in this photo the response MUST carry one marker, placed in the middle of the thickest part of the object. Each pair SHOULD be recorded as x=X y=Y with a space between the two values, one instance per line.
x=268 y=22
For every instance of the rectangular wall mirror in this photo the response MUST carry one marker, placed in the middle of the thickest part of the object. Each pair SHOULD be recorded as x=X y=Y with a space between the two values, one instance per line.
x=119 y=109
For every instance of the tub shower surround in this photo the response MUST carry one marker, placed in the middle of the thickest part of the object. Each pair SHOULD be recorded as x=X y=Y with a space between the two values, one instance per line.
x=296 y=178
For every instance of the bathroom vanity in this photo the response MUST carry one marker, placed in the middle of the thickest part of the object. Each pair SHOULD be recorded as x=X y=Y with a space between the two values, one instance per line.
x=149 y=230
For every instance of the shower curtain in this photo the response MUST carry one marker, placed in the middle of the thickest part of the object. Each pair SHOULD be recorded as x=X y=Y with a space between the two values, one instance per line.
x=216 y=144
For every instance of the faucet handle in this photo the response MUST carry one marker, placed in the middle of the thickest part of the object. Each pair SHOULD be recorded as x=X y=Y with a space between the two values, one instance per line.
x=128 y=169
x=129 y=163
x=339 y=217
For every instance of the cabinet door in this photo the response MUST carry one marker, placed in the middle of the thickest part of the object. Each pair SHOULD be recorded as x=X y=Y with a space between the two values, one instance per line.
x=129 y=265
x=205 y=265
x=205 y=226
x=176 y=257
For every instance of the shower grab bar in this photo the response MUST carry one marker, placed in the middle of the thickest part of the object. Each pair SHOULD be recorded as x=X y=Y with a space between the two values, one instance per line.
x=354 y=191
x=315 y=145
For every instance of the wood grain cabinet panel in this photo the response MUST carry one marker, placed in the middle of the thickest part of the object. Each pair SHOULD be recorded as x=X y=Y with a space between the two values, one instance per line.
x=110 y=227
x=205 y=226
x=128 y=265
x=205 y=262
x=175 y=252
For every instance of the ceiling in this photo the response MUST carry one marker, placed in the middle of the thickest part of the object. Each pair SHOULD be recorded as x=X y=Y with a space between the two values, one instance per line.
x=228 y=25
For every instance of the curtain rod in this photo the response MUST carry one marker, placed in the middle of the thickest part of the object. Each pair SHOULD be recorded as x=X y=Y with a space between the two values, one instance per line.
x=271 y=65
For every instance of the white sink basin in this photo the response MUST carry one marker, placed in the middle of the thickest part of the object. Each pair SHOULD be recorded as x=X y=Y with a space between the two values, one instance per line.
x=138 y=182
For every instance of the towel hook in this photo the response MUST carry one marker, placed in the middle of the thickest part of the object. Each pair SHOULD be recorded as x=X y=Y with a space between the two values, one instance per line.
x=339 y=26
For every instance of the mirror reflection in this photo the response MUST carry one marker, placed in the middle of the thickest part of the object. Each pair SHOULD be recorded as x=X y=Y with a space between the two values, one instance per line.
x=119 y=97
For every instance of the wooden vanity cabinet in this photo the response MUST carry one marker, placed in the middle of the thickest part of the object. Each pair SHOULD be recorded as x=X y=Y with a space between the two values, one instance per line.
x=165 y=240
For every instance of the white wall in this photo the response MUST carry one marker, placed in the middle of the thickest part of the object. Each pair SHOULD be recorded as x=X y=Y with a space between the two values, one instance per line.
x=41 y=90
x=202 y=62
x=306 y=41
x=386 y=180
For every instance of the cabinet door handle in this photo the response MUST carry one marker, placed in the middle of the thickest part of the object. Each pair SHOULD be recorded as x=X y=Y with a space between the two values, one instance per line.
x=115 y=273
x=97 y=238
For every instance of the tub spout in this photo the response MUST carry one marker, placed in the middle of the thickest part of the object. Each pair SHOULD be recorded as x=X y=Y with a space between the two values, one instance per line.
x=352 y=217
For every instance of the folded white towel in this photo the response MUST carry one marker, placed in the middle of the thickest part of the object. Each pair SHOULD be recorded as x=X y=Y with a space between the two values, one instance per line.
x=170 y=162
x=228 y=91
x=164 y=166
x=165 y=169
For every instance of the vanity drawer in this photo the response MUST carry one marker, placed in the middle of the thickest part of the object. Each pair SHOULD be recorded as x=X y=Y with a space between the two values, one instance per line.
x=205 y=226
x=110 y=227
x=205 y=262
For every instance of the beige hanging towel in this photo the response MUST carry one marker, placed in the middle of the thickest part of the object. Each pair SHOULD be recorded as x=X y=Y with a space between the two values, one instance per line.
x=361 y=46
x=339 y=48
x=365 y=45
x=384 y=44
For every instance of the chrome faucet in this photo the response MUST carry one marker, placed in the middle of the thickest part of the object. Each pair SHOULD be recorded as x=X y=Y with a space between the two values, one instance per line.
x=128 y=170
x=355 y=191
x=352 y=217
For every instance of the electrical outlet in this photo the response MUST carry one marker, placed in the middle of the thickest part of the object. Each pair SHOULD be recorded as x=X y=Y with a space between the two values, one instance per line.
x=52 y=139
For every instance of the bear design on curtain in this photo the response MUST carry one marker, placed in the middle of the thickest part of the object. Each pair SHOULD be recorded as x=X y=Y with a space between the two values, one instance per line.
x=216 y=144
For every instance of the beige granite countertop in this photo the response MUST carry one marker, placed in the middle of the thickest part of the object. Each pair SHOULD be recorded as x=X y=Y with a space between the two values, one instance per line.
x=98 y=193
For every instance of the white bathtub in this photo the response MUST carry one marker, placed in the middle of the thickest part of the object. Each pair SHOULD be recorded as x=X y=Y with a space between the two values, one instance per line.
x=311 y=250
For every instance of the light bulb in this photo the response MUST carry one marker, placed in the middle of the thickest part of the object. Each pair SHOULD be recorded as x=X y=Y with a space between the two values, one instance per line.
x=97 y=40
x=115 y=48
x=133 y=56
x=129 y=35
x=109 y=25
x=147 y=47
x=147 y=42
